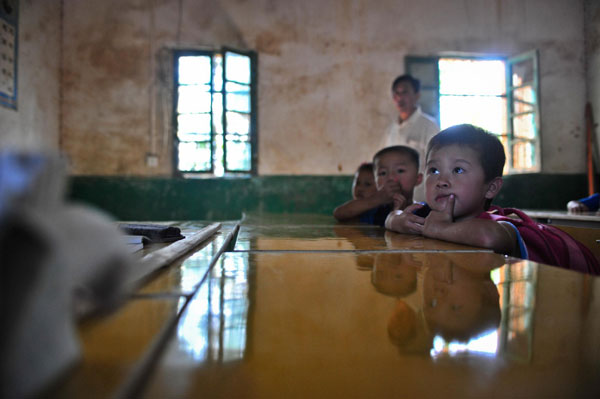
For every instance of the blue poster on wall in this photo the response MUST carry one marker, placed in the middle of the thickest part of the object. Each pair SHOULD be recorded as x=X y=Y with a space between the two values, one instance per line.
x=9 y=29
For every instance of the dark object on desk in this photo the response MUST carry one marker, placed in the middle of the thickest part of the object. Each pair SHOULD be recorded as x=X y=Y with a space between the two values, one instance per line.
x=154 y=232
x=423 y=211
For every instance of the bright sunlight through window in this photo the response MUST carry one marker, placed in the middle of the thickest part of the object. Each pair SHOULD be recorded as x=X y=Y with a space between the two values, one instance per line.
x=473 y=91
x=214 y=112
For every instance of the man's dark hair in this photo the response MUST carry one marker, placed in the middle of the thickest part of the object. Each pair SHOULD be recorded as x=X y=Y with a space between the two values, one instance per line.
x=415 y=83
x=487 y=145
x=400 y=149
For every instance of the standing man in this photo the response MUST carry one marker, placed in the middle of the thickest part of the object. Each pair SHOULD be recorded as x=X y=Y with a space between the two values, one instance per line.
x=412 y=128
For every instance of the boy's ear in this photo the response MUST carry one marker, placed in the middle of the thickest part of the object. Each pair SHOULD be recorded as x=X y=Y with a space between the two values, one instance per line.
x=494 y=187
x=419 y=179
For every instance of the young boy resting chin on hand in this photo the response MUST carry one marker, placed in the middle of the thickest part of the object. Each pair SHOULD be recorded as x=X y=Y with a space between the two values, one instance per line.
x=396 y=173
x=463 y=175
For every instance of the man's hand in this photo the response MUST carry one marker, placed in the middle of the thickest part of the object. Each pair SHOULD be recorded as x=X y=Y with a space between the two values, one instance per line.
x=436 y=221
x=405 y=221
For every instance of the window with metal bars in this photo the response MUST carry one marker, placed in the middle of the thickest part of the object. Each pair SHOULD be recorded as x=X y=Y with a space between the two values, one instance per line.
x=498 y=94
x=214 y=114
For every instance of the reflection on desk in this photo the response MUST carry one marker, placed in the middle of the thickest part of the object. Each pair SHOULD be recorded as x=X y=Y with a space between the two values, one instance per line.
x=314 y=325
x=290 y=315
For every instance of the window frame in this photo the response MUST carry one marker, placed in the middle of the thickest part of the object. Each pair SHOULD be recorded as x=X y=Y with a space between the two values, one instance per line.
x=431 y=83
x=253 y=114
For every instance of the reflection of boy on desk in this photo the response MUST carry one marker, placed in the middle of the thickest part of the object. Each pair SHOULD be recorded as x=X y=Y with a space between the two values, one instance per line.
x=401 y=276
x=455 y=302
x=460 y=303
x=395 y=274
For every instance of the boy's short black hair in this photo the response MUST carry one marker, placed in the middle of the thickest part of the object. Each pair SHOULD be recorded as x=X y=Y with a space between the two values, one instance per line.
x=365 y=167
x=487 y=145
x=414 y=82
x=413 y=155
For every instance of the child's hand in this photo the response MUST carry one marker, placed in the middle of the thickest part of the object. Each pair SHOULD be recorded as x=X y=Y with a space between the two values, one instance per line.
x=405 y=221
x=399 y=202
x=387 y=192
x=436 y=221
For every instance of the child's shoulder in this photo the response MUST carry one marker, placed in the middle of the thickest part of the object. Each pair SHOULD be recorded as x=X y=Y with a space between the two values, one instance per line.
x=546 y=244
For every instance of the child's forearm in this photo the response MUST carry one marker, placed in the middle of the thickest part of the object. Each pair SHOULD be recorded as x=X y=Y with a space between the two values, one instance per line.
x=356 y=207
x=475 y=232
x=405 y=222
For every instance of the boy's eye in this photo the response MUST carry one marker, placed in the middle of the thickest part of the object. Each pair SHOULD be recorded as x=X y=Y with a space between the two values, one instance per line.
x=381 y=173
x=432 y=171
x=399 y=170
x=459 y=170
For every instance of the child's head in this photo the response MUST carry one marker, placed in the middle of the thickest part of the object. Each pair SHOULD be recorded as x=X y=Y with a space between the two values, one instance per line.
x=394 y=274
x=465 y=161
x=400 y=164
x=363 y=185
x=460 y=304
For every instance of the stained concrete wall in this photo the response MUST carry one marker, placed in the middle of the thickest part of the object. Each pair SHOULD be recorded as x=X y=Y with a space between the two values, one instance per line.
x=324 y=73
x=592 y=36
x=35 y=124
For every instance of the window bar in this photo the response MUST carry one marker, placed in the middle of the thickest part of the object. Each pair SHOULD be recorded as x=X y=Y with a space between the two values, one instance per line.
x=509 y=119
x=175 y=158
x=224 y=113
x=213 y=150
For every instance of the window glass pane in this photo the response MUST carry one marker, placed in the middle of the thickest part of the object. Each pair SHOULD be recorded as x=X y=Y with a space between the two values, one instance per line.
x=194 y=156
x=426 y=72
x=464 y=76
x=193 y=136
x=193 y=123
x=524 y=126
x=238 y=155
x=522 y=72
x=193 y=99
x=523 y=99
x=523 y=155
x=238 y=97
x=238 y=67
x=486 y=112
x=429 y=102
x=238 y=102
x=238 y=123
x=194 y=69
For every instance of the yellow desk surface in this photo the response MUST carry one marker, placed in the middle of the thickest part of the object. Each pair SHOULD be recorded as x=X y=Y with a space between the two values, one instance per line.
x=564 y=218
x=303 y=311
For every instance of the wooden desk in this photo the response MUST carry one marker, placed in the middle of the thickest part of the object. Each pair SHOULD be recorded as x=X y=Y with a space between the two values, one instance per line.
x=563 y=218
x=314 y=310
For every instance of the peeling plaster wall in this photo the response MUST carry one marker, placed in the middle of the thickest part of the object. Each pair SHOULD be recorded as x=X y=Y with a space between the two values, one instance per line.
x=592 y=36
x=324 y=73
x=35 y=123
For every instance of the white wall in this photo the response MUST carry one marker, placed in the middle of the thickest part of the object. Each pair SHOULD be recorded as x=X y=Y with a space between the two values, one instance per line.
x=35 y=124
x=324 y=72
